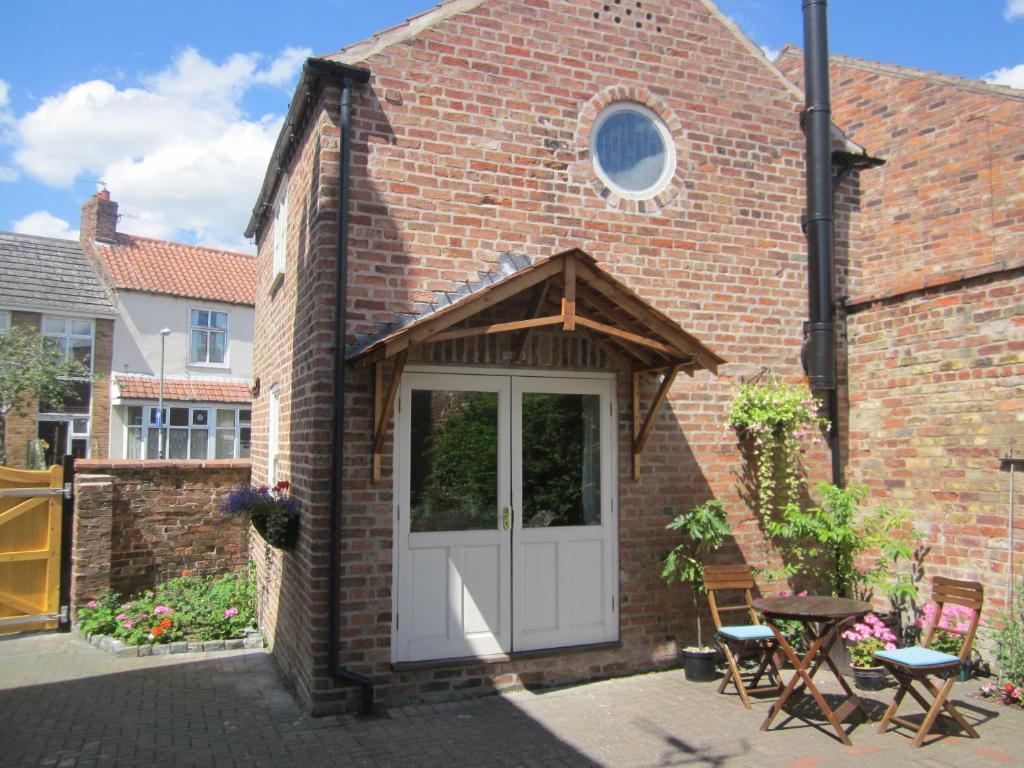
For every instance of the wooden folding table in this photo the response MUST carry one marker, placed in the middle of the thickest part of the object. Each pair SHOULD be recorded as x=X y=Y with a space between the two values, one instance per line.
x=823 y=619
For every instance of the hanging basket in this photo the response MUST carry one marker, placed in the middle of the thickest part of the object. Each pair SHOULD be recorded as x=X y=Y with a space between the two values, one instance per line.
x=279 y=529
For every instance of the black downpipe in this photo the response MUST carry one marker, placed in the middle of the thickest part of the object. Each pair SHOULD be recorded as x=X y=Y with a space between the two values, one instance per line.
x=820 y=335
x=338 y=408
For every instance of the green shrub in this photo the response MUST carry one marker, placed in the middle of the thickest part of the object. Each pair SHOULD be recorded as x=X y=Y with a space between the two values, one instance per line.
x=186 y=608
x=1010 y=642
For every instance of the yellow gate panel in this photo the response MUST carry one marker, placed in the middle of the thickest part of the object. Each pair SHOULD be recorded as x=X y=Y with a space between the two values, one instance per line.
x=30 y=548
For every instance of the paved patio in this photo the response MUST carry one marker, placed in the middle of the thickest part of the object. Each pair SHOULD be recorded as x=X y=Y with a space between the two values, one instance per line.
x=64 y=703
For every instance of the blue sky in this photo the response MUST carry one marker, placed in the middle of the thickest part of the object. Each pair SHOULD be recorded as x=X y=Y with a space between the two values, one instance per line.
x=176 y=105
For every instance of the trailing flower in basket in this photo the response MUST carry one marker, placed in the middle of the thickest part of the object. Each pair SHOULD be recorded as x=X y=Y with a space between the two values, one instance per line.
x=273 y=512
x=866 y=638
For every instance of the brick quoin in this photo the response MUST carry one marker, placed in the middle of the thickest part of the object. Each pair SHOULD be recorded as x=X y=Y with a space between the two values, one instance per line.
x=467 y=143
x=935 y=323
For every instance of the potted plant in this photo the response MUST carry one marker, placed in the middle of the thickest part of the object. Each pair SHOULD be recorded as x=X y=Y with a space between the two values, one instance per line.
x=955 y=617
x=703 y=528
x=864 y=640
x=272 y=511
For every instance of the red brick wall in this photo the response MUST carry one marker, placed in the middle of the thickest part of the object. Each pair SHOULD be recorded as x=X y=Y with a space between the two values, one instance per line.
x=138 y=523
x=936 y=329
x=469 y=142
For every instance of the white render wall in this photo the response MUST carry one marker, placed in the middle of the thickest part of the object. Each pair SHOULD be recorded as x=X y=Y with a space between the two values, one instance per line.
x=137 y=337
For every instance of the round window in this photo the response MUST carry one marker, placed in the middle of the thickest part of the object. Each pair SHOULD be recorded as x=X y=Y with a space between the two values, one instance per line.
x=633 y=151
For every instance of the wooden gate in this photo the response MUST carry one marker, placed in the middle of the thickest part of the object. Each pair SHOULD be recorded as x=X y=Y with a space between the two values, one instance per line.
x=30 y=548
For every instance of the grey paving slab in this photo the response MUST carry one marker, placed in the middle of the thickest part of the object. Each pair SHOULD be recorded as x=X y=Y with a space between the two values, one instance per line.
x=66 y=704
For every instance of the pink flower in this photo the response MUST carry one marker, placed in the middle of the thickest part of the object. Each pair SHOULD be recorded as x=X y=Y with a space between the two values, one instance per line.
x=91 y=604
x=160 y=609
x=128 y=624
x=229 y=612
x=121 y=616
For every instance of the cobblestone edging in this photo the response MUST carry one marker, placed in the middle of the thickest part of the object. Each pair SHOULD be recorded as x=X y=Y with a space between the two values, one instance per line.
x=253 y=640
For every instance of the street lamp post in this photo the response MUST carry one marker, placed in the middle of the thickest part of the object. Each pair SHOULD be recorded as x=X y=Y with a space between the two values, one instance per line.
x=160 y=429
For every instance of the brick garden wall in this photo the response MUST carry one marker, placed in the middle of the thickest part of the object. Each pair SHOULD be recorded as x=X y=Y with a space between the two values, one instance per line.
x=471 y=140
x=141 y=522
x=935 y=319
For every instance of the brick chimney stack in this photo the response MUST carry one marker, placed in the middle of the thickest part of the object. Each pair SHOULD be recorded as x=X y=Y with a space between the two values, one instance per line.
x=99 y=219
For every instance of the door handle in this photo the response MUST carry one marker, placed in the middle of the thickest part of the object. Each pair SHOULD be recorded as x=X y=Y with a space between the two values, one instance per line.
x=506 y=518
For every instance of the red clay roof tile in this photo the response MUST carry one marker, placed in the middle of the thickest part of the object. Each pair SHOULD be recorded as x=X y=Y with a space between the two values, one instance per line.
x=179 y=390
x=160 y=266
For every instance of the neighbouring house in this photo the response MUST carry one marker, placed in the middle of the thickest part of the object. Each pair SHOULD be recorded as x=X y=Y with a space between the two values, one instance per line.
x=934 y=310
x=49 y=286
x=203 y=298
x=560 y=233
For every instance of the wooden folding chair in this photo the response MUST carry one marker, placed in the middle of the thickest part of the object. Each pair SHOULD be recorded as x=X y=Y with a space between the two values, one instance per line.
x=735 y=639
x=916 y=664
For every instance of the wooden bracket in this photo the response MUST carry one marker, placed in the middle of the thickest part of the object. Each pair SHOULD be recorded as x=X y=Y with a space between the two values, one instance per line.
x=642 y=431
x=382 y=407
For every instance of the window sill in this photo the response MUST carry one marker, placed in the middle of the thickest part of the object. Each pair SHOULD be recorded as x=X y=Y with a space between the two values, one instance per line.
x=214 y=366
x=501 y=658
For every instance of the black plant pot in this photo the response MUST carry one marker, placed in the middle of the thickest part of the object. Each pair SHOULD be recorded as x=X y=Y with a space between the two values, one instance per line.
x=869 y=678
x=699 y=665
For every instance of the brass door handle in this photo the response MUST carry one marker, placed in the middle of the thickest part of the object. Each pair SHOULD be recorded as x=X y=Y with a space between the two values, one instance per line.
x=506 y=518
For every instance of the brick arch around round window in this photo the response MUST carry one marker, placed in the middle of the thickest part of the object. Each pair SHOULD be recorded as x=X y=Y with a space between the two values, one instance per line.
x=582 y=169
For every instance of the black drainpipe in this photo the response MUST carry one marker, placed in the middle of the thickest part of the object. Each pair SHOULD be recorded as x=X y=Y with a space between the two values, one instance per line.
x=819 y=332
x=338 y=408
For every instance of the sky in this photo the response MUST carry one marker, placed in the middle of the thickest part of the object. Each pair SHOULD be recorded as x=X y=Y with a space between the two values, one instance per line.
x=175 y=107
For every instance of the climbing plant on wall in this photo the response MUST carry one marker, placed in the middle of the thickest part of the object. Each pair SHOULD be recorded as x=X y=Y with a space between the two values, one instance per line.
x=775 y=417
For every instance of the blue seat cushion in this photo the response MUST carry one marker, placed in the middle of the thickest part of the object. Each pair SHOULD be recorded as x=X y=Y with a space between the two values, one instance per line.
x=917 y=656
x=747 y=632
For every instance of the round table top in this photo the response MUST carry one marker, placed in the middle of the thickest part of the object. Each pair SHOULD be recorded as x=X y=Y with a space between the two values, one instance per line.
x=811 y=607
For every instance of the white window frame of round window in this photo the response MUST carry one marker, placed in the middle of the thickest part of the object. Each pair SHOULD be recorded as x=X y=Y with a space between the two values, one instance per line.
x=670 y=151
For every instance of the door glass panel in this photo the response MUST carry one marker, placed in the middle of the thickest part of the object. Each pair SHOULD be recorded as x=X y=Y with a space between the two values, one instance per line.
x=561 y=460
x=454 y=461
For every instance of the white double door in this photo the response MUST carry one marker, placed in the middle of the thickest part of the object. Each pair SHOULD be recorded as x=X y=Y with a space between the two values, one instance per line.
x=505 y=516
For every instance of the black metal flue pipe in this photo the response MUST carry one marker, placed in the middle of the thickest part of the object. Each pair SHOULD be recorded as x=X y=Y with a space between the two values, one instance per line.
x=820 y=343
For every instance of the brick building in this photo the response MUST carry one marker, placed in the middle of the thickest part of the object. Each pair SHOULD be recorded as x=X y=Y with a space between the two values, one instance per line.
x=545 y=211
x=203 y=299
x=48 y=286
x=933 y=309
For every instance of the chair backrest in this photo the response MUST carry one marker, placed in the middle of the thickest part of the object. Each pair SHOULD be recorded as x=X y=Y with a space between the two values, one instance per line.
x=729 y=577
x=969 y=594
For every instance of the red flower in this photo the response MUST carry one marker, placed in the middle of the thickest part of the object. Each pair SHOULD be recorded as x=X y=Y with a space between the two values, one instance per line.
x=165 y=624
x=263 y=489
x=157 y=631
x=282 y=485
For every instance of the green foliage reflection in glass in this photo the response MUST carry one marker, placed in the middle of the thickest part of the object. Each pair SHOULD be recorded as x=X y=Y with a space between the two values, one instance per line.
x=561 y=460
x=454 y=466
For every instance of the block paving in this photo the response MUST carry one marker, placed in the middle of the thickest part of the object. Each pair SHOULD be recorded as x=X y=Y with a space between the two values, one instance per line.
x=66 y=704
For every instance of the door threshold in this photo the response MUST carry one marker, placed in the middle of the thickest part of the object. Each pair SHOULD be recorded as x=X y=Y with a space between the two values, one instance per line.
x=500 y=658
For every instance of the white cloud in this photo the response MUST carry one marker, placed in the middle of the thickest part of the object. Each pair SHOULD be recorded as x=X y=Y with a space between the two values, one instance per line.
x=46 y=224
x=770 y=53
x=1013 y=76
x=176 y=151
x=1014 y=9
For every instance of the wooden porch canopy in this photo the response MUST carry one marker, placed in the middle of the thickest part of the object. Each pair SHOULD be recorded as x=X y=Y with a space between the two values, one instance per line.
x=569 y=292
